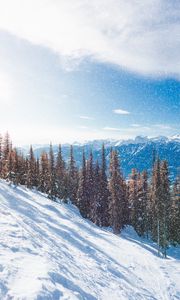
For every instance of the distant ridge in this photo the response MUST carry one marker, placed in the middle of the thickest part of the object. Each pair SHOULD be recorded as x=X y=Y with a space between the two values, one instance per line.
x=134 y=153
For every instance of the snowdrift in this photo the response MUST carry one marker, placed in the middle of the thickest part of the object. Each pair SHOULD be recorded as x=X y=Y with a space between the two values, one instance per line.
x=47 y=251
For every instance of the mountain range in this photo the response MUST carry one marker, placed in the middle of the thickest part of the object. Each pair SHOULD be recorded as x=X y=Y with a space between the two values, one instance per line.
x=134 y=153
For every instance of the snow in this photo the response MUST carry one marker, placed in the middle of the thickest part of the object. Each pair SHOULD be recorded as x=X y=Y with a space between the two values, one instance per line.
x=47 y=251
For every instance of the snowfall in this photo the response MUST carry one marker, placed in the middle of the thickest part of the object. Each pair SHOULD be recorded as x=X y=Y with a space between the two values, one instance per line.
x=48 y=251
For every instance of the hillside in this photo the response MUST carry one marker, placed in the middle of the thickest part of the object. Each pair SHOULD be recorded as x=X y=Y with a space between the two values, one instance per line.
x=47 y=251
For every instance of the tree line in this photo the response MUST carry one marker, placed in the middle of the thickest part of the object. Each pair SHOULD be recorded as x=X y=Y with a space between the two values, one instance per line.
x=148 y=202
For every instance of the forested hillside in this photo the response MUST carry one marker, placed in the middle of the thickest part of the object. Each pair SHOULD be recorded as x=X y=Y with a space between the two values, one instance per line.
x=149 y=203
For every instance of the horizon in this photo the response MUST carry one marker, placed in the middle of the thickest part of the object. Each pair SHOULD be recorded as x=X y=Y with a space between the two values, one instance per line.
x=84 y=142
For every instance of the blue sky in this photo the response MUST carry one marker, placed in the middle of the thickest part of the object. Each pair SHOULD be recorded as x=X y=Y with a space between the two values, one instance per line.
x=72 y=85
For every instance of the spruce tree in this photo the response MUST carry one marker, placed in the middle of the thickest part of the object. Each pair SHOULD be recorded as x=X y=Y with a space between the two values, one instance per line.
x=72 y=178
x=156 y=201
x=82 y=188
x=44 y=173
x=145 y=204
x=31 y=167
x=164 y=207
x=103 y=204
x=90 y=187
x=52 y=191
x=37 y=173
x=10 y=163
x=133 y=197
x=96 y=212
x=5 y=154
x=141 y=207
x=175 y=213
x=16 y=169
x=61 y=175
x=116 y=198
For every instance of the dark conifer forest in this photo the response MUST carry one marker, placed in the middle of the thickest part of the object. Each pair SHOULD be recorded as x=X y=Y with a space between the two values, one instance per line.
x=147 y=201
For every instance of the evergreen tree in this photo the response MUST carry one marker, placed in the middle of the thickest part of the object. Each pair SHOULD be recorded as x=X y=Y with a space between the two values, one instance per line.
x=81 y=194
x=125 y=203
x=22 y=169
x=164 y=207
x=116 y=198
x=10 y=162
x=103 y=204
x=90 y=187
x=31 y=167
x=52 y=191
x=37 y=173
x=161 y=205
x=44 y=173
x=16 y=168
x=133 y=197
x=72 y=178
x=156 y=200
x=96 y=212
x=175 y=213
x=146 y=204
x=141 y=207
x=5 y=155
x=61 y=176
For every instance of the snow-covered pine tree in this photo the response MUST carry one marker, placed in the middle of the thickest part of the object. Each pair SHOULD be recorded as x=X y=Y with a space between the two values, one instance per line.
x=156 y=200
x=103 y=203
x=31 y=167
x=175 y=213
x=141 y=207
x=164 y=213
x=133 y=197
x=10 y=165
x=44 y=173
x=16 y=168
x=61 y=175
x=82 y=187
x=90 y=187
x=72 y=178
x=37 y=173
x=7 y=146
x=116 y=190
x=145 y=204
x=126 y=213
x=52 y=189
x=21 y=163
x=96 y=217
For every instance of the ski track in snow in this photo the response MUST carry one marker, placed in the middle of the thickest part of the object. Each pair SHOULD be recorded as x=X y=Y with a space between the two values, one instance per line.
x=47 y=251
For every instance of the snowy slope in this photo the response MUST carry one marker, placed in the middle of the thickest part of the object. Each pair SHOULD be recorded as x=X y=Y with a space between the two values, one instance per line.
x=47 y=251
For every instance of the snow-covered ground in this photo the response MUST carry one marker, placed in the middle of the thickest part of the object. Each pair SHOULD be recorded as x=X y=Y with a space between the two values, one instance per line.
x=47 y=251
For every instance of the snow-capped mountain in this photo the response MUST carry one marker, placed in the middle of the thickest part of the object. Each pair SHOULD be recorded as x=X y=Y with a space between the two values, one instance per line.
x=134 y=153
x=47 y=251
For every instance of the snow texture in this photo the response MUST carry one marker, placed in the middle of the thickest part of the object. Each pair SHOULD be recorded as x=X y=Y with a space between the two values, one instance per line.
x=47 y=251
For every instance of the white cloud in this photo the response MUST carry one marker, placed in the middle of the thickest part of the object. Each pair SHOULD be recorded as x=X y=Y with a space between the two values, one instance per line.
x=135 y=125
x=111 y=128
x=162 y=126
x=86 y=118
x=141 y=36
x=121 y=111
